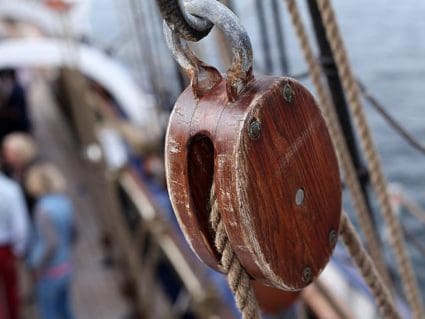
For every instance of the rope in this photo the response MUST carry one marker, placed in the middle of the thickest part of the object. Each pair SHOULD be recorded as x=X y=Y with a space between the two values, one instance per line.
x=238 y=279
x=409 y=138
x=336 y=133
x=367 y=269
x=376 y=175
x=413 y=239
x=413 y=208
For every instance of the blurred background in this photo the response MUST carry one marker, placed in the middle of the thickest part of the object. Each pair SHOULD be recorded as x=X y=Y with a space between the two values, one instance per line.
x=86 y=91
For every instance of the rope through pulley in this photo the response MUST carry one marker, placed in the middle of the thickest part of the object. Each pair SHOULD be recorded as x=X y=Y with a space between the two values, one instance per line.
x=377 y=177
x=336 y=132
x=255 y=149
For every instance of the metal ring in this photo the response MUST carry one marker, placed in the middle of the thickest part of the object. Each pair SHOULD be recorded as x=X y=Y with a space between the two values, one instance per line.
x=198 y=23
x=240 y=73
x=185 y=25
x=180 y=50
x=203 y=77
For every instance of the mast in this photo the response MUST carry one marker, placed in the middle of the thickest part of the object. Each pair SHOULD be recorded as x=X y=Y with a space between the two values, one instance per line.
x=265 y=42
x=280 y=38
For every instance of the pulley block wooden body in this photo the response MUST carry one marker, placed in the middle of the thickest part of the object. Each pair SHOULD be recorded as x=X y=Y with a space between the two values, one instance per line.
x=270 y=160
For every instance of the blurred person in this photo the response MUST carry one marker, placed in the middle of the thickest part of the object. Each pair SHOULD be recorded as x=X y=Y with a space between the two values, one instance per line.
x=14 y=231
x=14 y=115
x=50 y=255
x=20 y=153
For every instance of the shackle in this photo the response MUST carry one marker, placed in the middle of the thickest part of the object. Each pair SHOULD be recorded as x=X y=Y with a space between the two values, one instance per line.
x=204 y=77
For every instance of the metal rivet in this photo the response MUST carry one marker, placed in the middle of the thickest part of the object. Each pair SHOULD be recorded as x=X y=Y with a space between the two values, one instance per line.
x=333 y=236
x=254 y=129
x=299 y=197
x=307 y=275
x=288 y=93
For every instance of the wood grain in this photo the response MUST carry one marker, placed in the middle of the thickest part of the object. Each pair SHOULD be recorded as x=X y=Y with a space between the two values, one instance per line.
x=257 y=179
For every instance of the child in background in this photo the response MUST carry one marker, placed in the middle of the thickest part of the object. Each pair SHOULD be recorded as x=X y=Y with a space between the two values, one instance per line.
x=50 y=256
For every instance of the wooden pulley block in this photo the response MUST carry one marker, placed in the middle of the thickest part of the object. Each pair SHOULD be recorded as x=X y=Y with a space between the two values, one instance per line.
x=274 y=301
x=263 y=146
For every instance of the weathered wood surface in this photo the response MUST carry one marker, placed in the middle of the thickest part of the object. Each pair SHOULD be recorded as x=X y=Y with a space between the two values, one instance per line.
x=278 y=241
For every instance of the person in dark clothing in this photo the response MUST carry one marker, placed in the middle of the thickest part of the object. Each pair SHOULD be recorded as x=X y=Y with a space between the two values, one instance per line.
x=14 y=115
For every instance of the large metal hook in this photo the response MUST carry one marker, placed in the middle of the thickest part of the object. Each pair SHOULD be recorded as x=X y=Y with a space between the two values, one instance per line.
x=240 y=72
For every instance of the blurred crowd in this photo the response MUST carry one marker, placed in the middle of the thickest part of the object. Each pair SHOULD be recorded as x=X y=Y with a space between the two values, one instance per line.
x=37 y=229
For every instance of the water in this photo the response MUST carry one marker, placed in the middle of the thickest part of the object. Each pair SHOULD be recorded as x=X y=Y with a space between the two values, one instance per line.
x=386 y=44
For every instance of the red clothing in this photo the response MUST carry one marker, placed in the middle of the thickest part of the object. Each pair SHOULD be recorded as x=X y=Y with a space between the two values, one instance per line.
x=9 y=301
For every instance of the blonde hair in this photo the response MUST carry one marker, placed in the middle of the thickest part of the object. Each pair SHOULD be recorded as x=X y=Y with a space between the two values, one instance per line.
x=43 y=179
x=22 y=146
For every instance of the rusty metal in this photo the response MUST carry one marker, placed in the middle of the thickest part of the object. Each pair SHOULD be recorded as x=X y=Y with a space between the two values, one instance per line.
x=240 y=72
x=307 y=275
x=177 y=19
x=333 y=237
x=195 y=22
x=254 y=130
x=202 y=76
x=288 y=93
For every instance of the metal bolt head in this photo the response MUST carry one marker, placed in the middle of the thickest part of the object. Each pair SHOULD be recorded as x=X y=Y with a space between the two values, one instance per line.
x=254 y=129
x=299 y=197
x=288 y=93
x=307 y=275
x=333 y=236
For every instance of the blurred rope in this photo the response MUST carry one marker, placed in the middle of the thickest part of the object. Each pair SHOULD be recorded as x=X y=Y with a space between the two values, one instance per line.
x=377 y=177
x=367 y=269
x=329 y=113
x=390 y=120
x=413 y=208
x=379 y=107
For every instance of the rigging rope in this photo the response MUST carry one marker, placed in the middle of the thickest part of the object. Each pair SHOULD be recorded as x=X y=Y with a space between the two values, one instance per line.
x=413 y=208
x=390 y=120
x=377 y=177
x=238 y=279
x=336 y=132
x=367 y=269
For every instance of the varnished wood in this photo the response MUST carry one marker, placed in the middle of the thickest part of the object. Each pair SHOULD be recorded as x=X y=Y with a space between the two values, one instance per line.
x=273 y=301
x=256 y=179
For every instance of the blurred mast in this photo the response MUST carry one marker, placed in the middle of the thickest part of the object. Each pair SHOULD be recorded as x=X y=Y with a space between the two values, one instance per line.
x=280 y=38
x=264 y=35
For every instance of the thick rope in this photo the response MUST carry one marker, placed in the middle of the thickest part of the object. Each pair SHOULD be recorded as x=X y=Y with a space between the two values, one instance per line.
x=237 y=278
x=367 y=269
x=340 y=145
x=378 y=181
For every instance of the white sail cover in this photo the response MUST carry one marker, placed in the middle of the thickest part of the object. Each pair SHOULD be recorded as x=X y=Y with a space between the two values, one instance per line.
x=96 y=65
x=36 y=13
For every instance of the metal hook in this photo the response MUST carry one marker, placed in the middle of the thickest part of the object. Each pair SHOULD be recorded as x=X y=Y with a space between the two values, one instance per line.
x=202 y=76
x=240 y=72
